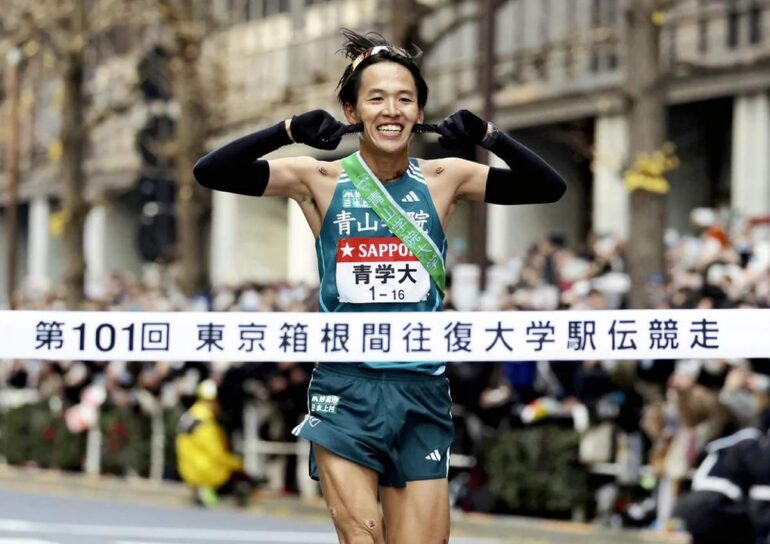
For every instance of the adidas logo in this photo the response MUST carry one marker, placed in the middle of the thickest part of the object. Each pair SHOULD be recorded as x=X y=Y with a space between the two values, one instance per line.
x=411 y=196
x=433 y=456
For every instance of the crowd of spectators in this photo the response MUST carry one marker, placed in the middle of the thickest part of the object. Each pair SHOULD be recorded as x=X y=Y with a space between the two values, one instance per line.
x=643 y=425
x=143 y=387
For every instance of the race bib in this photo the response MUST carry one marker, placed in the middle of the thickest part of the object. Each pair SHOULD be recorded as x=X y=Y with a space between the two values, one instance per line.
x=379 y=270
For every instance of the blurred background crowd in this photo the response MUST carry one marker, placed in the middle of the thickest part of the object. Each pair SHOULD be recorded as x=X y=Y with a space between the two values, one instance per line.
x=618 y=440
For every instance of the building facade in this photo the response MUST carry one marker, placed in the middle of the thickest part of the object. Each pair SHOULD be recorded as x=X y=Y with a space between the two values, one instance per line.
x=559 y=75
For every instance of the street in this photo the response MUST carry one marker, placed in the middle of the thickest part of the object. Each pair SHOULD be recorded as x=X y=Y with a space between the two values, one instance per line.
x=33 y=518
x=52 y=507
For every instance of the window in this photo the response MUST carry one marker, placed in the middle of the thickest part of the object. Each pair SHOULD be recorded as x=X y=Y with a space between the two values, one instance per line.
x=273 y=7
x=755 y=23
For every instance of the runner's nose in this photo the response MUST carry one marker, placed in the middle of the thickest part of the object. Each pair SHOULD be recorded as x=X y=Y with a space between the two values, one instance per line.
x=391 y=107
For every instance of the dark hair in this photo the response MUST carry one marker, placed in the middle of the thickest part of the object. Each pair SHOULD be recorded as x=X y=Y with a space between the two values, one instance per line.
x=354 y=45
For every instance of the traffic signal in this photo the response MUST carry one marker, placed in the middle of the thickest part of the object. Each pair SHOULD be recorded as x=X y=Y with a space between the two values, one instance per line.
x=156 y=189
x=157 y=223
x=157 y=234
x=154 y=76
x=155 y=186
x=153 y=141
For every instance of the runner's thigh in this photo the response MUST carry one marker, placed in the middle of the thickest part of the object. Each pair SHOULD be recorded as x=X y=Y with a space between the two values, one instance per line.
x=350 y=491
x=417 y=513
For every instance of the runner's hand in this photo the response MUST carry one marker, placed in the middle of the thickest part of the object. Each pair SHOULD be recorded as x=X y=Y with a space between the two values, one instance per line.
x=462 y=128
x=317 y=129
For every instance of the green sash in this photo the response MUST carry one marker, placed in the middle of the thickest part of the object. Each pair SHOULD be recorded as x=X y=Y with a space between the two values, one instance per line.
x=418 y=242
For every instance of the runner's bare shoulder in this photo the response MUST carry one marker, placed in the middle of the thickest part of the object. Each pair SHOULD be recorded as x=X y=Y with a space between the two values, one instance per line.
x=447 y=172
x=325 y=176
x=329 y=169
x=299 y=177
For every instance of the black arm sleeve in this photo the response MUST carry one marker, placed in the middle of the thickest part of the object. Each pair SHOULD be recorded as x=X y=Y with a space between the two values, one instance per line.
x=235 y=167
x=530 y=179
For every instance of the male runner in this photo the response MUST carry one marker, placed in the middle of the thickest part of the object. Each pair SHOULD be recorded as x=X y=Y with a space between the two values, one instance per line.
x=380 y=429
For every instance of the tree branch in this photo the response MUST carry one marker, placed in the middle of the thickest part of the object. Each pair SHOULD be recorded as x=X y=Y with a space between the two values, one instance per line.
x=32 y=29
x=102 y=115
x=450 y=27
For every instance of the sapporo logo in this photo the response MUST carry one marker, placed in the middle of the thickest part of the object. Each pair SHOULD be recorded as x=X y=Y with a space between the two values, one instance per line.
x=324 y=404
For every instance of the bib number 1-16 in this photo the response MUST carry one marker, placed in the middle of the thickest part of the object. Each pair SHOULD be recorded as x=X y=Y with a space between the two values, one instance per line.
x=371 y=270
x=397 y=295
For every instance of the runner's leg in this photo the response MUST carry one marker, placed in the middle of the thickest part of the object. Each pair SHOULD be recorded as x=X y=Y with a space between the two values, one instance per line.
x=417 y=513
x=350 y=491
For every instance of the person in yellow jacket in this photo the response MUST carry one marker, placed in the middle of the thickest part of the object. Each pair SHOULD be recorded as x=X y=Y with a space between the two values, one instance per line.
x=204 y=459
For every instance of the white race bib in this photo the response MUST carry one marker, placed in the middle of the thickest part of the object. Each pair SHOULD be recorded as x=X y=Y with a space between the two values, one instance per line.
x=379 y=270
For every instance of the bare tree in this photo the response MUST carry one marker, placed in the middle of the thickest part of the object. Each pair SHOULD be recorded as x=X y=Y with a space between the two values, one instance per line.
x=647 y=119
x=65 y=29
x=409 y=31
x=73 y=140
x=60 y=28
x=12 y=75
x=193 y=203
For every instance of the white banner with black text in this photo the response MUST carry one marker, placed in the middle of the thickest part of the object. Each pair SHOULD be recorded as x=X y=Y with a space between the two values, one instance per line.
x=388 y=336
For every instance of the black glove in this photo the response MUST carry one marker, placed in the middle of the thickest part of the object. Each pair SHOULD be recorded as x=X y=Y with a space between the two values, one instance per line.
x=460 y=129
x=317 y=129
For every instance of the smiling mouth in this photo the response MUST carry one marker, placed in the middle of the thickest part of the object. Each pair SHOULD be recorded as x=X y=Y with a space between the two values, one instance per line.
x=390 y=129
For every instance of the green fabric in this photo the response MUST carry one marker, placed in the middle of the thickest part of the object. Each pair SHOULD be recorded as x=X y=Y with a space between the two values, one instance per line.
x=398 y=423
x=350 y=217
x=419 y=243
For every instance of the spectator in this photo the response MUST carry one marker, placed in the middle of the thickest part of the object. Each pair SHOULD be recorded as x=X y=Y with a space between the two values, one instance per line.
x=204 y=456
x=676 y=407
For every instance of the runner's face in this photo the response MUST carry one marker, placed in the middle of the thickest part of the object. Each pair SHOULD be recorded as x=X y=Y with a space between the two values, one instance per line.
x=387 y=106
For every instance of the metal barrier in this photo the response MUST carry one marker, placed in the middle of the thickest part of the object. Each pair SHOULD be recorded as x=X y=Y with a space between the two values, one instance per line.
x=255 y=450
x=94 y=441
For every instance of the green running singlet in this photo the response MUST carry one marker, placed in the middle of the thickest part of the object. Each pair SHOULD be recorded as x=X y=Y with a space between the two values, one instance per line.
x=363 y=267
